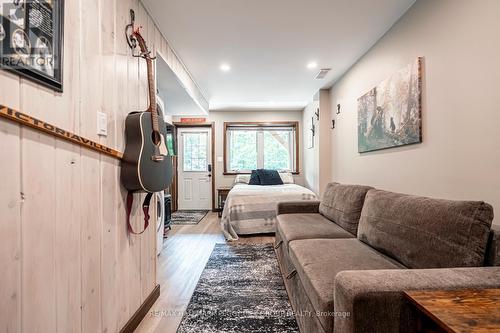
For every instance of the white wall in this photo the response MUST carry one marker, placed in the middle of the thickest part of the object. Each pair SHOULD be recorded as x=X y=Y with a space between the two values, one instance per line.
x=219 y=117
x=460 y=154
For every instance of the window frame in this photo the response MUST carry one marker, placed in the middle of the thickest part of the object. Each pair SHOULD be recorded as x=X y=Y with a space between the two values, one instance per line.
x=289 y=124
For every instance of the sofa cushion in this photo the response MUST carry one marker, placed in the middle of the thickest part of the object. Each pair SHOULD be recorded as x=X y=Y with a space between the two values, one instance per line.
x=318 y=261
x=307 y=226
x=422 y=232
x=343 y=203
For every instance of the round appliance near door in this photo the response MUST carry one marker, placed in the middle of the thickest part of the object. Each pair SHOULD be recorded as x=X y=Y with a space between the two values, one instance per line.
x=160 y=220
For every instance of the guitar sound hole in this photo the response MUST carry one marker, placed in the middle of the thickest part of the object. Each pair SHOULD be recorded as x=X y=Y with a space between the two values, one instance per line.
x=155 y=136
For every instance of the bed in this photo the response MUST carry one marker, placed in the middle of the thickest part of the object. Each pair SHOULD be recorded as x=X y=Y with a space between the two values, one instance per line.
x=251 y=209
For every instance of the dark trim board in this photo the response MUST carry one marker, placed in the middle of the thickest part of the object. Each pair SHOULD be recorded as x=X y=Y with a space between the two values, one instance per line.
x=139 y=315
x=40 y=125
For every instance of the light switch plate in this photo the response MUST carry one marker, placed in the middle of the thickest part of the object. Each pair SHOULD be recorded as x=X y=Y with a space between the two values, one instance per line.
x=102 y=124
x=219 y=159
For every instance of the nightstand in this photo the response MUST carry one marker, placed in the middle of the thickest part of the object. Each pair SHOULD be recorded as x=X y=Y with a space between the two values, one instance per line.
x=222 y=193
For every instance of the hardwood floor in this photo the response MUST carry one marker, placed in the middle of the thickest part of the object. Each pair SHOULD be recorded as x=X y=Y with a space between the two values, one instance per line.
x=184 y=256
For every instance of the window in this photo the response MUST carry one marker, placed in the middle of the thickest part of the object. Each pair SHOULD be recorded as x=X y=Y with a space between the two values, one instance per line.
x=250 y=146
x=194 y=151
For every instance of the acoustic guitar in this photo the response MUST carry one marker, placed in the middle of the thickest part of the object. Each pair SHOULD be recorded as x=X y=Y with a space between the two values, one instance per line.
x=146 y=163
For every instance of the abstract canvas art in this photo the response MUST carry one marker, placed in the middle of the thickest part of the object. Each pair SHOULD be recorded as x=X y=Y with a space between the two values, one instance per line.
x=389 y=115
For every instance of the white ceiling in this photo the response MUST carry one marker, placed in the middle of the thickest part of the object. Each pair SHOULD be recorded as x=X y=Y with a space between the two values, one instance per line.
x=268 y=44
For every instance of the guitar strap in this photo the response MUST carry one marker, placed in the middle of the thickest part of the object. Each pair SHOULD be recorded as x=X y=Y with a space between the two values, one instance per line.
x=145 y=209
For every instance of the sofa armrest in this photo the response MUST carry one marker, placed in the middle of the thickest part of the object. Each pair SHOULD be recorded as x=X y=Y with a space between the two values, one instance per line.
x=297 y=207
x=374 y=300
x=493 y=248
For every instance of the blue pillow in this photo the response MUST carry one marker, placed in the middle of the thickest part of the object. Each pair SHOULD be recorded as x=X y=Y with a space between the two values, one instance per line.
x=269 y=177
x=254 y=178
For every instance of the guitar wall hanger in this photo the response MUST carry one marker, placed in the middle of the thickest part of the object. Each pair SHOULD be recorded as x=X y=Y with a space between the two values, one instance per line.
x=132 y=42
x=129 y=30
x=144 y=55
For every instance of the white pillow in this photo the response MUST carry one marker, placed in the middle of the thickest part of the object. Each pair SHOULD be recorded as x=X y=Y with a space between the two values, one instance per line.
x=242 y=179
x=286 y=177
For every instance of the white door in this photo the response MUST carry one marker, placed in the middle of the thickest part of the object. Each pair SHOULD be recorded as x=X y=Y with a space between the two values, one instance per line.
x=194 y=168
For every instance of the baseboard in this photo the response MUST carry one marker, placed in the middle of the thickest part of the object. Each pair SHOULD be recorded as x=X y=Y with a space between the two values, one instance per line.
x=139 y=315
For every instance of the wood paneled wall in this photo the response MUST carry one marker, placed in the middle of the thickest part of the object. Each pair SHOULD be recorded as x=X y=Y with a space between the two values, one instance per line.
x=68 y=262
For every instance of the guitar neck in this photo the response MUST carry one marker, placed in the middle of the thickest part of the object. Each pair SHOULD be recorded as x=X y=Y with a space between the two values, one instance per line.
x=152 y=95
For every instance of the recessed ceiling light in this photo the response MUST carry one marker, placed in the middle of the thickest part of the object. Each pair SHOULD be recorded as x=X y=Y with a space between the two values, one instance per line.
x=225 y=68
x=312 y=65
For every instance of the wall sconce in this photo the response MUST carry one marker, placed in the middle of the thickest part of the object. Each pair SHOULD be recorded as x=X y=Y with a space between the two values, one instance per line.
x=337 y=113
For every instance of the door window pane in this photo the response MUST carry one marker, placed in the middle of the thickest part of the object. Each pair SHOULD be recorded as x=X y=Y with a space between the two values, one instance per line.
x=195 y=151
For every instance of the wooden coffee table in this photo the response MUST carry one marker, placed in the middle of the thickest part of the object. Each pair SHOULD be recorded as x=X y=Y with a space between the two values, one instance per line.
x=457 y=311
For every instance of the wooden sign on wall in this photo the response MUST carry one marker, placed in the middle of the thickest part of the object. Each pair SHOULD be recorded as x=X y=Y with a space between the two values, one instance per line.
x=193 y=120
x=40 y=125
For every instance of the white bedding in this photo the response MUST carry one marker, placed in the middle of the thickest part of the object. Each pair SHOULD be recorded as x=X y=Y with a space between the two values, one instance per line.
x=251 y=209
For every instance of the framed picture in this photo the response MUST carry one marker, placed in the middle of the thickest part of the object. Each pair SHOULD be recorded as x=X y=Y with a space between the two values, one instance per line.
x=389 y=115
x=31 y=40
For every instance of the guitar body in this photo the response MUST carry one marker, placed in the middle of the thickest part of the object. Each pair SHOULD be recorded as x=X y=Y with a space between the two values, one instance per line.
x=139 y=171
x=146 y=163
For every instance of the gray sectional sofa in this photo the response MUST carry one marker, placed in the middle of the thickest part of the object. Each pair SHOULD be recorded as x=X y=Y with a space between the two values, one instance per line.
x=347 y=259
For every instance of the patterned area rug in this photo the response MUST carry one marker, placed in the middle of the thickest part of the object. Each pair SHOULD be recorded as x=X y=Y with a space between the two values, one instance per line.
x=240 y=291
x=188 y=216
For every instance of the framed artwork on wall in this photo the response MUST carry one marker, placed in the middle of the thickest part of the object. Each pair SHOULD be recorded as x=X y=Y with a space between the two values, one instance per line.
x=390 y=115
x=31 y=40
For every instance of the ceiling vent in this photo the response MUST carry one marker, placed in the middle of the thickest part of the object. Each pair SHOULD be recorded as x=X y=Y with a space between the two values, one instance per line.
x=322 y=73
